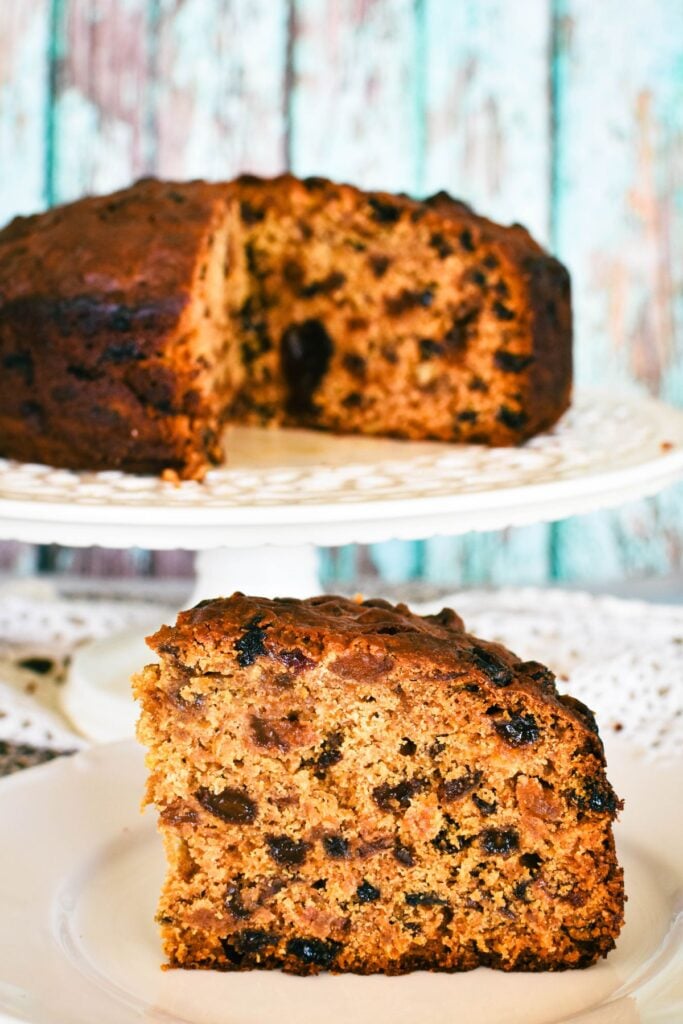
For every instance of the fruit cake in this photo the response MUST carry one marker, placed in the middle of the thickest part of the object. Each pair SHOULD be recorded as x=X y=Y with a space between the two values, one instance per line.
x=133 y=326
x=347 y=786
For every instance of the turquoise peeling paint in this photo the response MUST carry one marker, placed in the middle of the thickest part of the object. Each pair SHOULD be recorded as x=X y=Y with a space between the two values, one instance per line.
x=56 y=53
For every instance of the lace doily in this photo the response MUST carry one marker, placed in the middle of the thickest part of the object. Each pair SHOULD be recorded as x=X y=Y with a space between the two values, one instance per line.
x=38 y=634
x=624 y=659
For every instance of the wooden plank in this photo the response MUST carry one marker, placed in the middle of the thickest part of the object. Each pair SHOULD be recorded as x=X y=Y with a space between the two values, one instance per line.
x=354 y=115
x=116 y=563
x=17 y=559
x=338 y=567
x=172 y=564
x=99 y=141
x=618 y=224
x=517 y=556
x=487 y=140
x=488 y=107
x=220 y=105
x=220 y=108
x=24 y=93
x=422 y=97
x=355 y=87
x=101 y=114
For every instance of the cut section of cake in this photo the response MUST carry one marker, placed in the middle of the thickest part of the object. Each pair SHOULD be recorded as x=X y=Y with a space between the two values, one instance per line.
x=132 y=326
x=347 y=786
x=376 y=314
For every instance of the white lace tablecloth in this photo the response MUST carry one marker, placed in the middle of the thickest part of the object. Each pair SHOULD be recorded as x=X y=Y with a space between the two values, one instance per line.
x=39 y=630
x=624 y=659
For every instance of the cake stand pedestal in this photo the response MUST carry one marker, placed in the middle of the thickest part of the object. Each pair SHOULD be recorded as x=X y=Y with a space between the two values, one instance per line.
x=278 y=569
x=256 y=520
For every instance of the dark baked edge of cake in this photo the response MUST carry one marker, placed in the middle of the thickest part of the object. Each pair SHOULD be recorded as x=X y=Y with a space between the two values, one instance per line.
x=528 y=961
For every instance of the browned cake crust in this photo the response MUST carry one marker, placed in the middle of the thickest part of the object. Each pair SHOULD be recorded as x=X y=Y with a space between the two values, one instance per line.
x=346 y=786
x=108 y=330
x=133 y=325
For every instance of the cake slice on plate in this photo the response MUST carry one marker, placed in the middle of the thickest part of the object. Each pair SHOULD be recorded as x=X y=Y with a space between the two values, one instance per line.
x=347 y=786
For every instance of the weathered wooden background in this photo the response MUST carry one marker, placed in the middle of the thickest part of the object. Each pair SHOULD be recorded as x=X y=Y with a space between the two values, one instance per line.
x=566 y=115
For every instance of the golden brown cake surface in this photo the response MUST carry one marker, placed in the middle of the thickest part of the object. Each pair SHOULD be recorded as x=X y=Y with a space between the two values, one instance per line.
x=346 y=786
x=133 y=325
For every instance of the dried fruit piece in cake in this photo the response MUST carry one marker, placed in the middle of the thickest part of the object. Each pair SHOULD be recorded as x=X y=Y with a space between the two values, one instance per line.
x=347 y=786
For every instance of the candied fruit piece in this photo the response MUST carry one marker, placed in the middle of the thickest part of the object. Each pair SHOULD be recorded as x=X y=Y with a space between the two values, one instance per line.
x=404 y=854
x=234 y=903
x=499 y=840
x=532 y=862
x=450 y=840
x=502 y=312
x=266 y=735
x=386 y=796
x=383 y=211
x=285 y=850
x=244 y=946
x=367 y=893
x=487 y=808
x=425 y=899
x=442 y=246
x=518 y=730
x=336 y=847
x=231 y=805
x=317 y=952
x=305 y=352
x=492 y=666
x=329 y=754
x=295 y=660
x=595 y=796
x=511 y=362
x=452 y=789
x=379 y=265
x=466 y=240
x=509 y=418
x=519 y=890
x=250 y=645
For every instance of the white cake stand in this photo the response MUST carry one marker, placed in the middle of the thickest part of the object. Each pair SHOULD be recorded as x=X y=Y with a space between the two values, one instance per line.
x=255 y=522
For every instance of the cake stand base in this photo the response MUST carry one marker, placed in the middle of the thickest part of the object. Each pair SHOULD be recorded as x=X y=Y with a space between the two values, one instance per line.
x=97 y=696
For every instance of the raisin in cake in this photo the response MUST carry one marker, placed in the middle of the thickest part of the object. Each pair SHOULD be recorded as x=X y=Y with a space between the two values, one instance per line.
x=348 y=786
x=132 y=326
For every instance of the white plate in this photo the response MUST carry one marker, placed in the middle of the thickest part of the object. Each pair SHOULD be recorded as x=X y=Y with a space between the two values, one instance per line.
x=303 y=487
x=80 y=872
